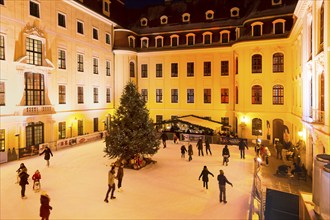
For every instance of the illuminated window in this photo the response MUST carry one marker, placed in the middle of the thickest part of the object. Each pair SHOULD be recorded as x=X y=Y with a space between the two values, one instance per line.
x=278 y=63
x=62 y=130
x=2 y=140
x=61 y=21
x=159 y=70
x=256 y=126
x=144 y=70
x=207 y=95
x=256 y=94
x=256 y=63
x=174 y=96
x=174 y=70
x=159 y=95
x=96 y=95
x=224 y=96
x=61 y=59
x=95 y=66
x=190 y=69
x=207 y=68
x=80 y=63
x=278 y=95
x=34 y=51
x=2 y=94
x=80 y=95
x=107 y=68
x=144 y=94
x=190 y=96
x=34 y=89
x=34 y=9
x=61 y=94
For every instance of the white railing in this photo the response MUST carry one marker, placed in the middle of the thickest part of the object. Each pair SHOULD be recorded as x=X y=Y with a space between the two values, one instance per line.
x=38 y=110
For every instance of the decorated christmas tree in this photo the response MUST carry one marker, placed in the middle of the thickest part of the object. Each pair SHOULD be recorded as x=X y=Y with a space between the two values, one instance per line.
x=132 y=138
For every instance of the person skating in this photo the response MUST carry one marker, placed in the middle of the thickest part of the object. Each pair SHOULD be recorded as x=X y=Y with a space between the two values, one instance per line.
x=225 y=155
x=47 y=153
x=267 y=154
x=183 y=151
x=23 y=182
x=111 y=185
x=190 y=152
x=120 y=175
x=222 y=186
x=205 y=177
x=36 y=179
x=164 y=139
x=241 y=146
x=207 y=147
x=19 y=170
x=45 y=207
x=200 y=147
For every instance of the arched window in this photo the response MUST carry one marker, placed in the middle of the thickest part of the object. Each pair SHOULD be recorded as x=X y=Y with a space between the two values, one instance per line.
x=256 y=29
x=256 y=63
x=159 y=41
x=190 y=38
x=256 y=94
x=207 y=38
x=131 y=41
x=278 y=63
x=279 y=26
x=278 y=95
x=224 y=36
x=256 y=126
x=144 y=42
x=174 y=40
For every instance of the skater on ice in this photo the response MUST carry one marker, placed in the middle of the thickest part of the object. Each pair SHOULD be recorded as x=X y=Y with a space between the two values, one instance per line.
x=111 y=184
x=19 y=170
x=183 y=151
x=205 y=177
x=225 y=155
x=36 y=180
x=47 y=153
x=45 y=207
x=23 y=182
x=222 y=179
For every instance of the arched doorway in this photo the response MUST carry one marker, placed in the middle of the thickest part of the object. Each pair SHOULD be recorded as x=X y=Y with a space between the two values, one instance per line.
x=278 y=129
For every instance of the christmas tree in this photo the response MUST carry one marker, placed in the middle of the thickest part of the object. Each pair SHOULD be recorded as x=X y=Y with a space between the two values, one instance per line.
x=132 y=138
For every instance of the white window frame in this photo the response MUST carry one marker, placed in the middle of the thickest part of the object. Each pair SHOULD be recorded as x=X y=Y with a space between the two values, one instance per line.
x=107 y=34
x=221 y=36
x=38 y=3
x=174 y=36
x=144 y=22
x=207 y=13
x=83 y=27
x=207 y=33
x=156 y=41
x=279 y=21
x=163 y=19
x=232 y=10
x=133 y=40
x=65 y=23
x=97 y=32
x=187 y=37
x=255 y=24
x=184 y=19
x=147 y=44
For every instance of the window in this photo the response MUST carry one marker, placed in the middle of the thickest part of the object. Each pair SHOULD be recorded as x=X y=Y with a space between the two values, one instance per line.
x=321 y=30
x=236 y=94
x=224 y=37
x=186 y=17
x=256 y=63
x=80 y=95
x=174 y=70
x=143 y=22
x=2 y=94
x=159 y=70
x=279 y=28
x=96 y=95
x=159 y=41
x=159 y=95
x=256 y=126
x=207 y=68
x=2 y=47
x=95 y=34
x=257 y=29
x=96 y=124
x=61 y=94
x=34 y=9
x=159 y=119
x=2 y=2
x=224 y=121
x=278 y=95
x=174 y=96
x=2 y=140
x=225 y=96
x=61 y=20
x=80 y=27
x=278 y=63
x=236 y=65
x=209 y=15
x=34 y=89
x=107 y=38
x=62 y=130
x=95 y=66
x=144 y=94
x=34 y=133
x=144 y=42
x=190 y=39
x=80 y=63
x=131 y=42
x=190 y=96
x=163 y=19
x=256 y=94
x=61 y=59
x=131 y=69
x=106 y=6
x=107 y=68
x=234 y=12
x=190 y=69
x=174 y=40
x=80 y=127
x=34 y=51
x=207 y=95
x=225 y=68
x=108 y=95
x=207 y=37
x=144 y=71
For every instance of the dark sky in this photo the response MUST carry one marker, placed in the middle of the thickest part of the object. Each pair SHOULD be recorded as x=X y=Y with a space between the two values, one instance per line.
x=141 y=3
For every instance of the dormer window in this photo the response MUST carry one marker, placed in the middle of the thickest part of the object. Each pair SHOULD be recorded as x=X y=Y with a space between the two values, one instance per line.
x=144 y=42
x=224 y=36
x=209 y=15
x=131 y=41
x=163 y=19
x=144 y=22
x=276 y=2
x=174 y=40
x=106 y=7
x=256 y=29
x=159 y=41
x=278 y=26
x=207 y=38
x=234 y=12
x=190 y=38
x=186 y=17
x=238 y=33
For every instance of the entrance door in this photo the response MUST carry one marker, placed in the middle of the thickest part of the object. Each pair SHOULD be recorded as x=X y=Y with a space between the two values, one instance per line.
x=34 y=134
x=278 y=129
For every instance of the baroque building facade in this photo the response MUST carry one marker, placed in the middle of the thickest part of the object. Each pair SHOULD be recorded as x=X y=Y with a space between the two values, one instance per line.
x=261 y=67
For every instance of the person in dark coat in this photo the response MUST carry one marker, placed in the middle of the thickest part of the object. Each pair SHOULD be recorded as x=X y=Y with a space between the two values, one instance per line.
x=225 y=155
x=45 y=207
x=208 y=147
x=183 y=151
x=164 y=139
x=120 y=175
x=241 y=146
x=47 y=153
x=19 y=170
x=222 y=186
x=200 y=147
x=190 y=152
x=205 y=177
x=23 y=182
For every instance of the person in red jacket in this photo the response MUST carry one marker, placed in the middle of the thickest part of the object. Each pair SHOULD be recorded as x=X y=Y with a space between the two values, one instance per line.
x=36 y=180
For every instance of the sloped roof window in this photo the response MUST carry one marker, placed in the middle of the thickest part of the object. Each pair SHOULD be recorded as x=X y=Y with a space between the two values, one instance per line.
x=144 y=42
x=256 y=29
x=276 y=2
x=209 y=15
x=234 y=12
x=163 y=19
x=279 y=26
x=143 y=22
x=186 y=17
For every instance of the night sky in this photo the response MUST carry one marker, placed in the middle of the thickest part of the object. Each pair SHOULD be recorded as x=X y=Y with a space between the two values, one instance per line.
x=141 y=3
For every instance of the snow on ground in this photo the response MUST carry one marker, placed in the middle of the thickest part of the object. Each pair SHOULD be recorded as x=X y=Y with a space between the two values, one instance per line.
x=76 y=181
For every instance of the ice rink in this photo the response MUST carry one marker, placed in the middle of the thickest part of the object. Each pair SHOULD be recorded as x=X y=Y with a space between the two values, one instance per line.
x=76 y=182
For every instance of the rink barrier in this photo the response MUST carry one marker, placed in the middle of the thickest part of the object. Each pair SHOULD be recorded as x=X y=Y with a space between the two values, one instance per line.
x=257 y=197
